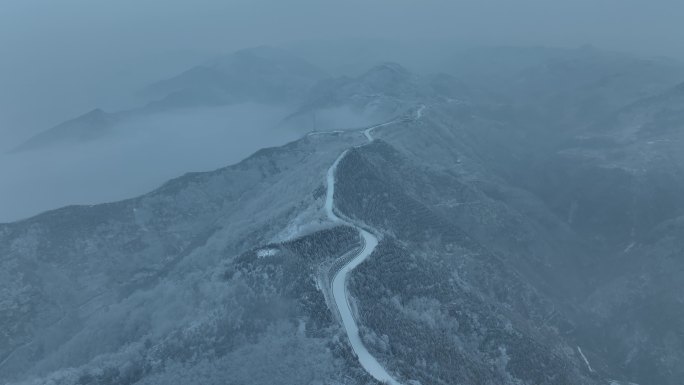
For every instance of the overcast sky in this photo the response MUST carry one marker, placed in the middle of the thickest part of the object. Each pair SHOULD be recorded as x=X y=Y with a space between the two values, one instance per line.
x=60 y=58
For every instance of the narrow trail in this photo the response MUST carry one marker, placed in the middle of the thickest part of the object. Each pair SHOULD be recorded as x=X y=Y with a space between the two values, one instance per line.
x=339 y=283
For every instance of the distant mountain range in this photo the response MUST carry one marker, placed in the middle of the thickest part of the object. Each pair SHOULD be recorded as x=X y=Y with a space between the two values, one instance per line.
x=90 y=126
x=549 y=84
x=260 y=75
x=531 y=239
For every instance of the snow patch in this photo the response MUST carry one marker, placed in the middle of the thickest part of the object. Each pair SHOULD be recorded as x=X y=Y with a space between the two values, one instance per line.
x=629 y=247
x=263 y=253
x=307 y=221
x=419 y=113
x=586 y=361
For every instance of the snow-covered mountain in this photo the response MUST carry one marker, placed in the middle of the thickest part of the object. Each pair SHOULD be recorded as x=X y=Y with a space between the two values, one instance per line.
x=465 y=239
x=384 y=91
x=214 y=266
x=620 y=183
x=258 y=75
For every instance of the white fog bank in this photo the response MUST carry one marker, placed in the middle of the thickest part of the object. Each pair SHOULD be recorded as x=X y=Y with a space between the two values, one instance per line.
x=138 y=157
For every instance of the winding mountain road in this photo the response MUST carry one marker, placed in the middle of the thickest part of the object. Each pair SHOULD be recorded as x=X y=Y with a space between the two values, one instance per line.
x=339 y=282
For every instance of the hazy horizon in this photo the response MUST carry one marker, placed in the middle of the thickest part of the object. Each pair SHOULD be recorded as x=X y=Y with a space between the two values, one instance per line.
x=61 y=59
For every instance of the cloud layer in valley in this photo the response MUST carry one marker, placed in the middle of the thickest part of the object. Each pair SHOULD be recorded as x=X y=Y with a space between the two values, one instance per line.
x=137 y=157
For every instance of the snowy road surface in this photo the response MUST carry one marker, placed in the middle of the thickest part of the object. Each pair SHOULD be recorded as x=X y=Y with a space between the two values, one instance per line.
x=339 y=286
x=369 y=131
x=339 y=283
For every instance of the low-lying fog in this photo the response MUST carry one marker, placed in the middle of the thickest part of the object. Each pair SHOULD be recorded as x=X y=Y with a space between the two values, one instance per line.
x=136 y=158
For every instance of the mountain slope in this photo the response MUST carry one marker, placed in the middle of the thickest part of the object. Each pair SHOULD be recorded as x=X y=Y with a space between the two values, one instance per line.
x=159 y=280
x=620 y=184
x=99 y=286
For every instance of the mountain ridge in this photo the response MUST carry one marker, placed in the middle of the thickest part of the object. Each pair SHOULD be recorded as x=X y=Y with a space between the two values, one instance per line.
x=507 y=253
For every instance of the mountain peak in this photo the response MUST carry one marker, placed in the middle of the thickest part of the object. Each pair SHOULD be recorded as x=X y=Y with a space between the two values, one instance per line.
x=96 y=114
x=88 y=126
x=388 y=69
x=262 y=74
x=679 y=88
